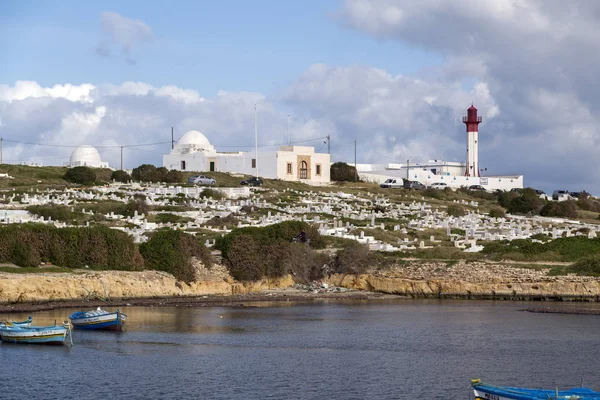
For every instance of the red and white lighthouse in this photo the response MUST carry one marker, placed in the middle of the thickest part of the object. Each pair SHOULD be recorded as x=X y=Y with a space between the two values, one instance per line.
x=472 y=122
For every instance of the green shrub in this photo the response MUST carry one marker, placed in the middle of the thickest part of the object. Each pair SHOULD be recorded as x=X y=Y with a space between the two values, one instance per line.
x=340 y=171
x=562 y=249
x=98 y=247
x=454 y=210
x=566 y=209
x=354 y=259
x=173 y=176
x=146 y=173
x=497 y=213
x=211 y=194
x=120 y=176
x=132 y=206
x=171 y=251
x=170 y=218
x=81 y=175
x=526 y=202
x=55 y=211
x=587 y=267
x=228 y=221
x=283 y=231
x=434 y=193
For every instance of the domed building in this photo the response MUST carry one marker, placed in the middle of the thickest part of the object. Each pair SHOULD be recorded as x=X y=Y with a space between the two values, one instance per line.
x=194 y=152
x=86 y=156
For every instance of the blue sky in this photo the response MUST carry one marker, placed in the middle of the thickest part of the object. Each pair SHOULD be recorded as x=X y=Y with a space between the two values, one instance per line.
x=203 y=45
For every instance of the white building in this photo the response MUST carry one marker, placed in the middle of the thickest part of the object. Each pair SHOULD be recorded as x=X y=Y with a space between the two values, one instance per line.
x=454 y=174
x=86 y=156
x=193 y=152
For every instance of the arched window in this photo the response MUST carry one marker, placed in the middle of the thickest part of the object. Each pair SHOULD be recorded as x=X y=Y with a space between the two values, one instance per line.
x=303 y=170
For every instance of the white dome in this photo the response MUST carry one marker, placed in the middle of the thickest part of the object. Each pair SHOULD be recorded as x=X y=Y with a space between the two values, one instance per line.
x=85 y=154
x=195 y=138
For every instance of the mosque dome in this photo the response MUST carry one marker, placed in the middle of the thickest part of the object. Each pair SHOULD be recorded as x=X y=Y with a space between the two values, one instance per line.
x=85 y=155
x=194 y=141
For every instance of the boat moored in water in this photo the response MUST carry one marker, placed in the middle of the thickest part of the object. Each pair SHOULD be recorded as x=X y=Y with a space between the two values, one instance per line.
x=484 y=391
x=98 y=319
x=55 y=334
x=26 y=323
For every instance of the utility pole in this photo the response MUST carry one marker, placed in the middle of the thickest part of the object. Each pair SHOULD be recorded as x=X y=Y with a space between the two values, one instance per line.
x=329 y=144
x=407 y=169
x=172 y=139
x=1 y=158
x=121 y=158
x=256 y=139
x=355 y=170
x=289 y=137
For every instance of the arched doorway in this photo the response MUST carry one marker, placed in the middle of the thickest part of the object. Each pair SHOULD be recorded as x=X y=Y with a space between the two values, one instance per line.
x=303 y=170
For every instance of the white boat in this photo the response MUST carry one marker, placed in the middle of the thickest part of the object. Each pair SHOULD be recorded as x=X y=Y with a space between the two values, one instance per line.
x=98 y=319
x=55 y=334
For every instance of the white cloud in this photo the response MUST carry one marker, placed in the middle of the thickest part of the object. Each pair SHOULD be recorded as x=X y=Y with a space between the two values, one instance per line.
x=535 y=58
x=136 y=113
x=124 y=33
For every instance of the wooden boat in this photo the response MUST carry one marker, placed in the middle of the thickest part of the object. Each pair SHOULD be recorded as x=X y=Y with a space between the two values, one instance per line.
x=25 y=323
x=98 y=319
x=484 y=391
x=55 y=334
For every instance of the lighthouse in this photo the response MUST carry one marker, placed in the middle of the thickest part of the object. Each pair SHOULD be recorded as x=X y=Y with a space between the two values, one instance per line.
x=472 y=122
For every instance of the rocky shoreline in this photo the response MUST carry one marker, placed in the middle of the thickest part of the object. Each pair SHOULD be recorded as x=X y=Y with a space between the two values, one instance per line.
x=414 y=279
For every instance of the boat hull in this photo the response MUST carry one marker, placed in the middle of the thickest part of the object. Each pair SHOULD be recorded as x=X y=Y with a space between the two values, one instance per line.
x=41 y=335
x=110 y=321
x=489 y=392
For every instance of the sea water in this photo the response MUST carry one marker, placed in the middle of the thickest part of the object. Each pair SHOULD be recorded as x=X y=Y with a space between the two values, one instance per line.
x=376 y=349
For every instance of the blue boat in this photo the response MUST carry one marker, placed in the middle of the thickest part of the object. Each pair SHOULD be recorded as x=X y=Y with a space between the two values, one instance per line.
x=55 y=334
x=98 y=319
x=25 y=323
x=484 y=391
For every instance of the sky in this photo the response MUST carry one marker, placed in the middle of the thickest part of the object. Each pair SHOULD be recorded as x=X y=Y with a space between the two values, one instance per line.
x=395 y=76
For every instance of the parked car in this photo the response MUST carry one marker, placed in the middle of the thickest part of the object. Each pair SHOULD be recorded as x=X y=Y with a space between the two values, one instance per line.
x=439 y=185
x=201 y=180
x=477 y=188
x=560 y=194
x=413 y=185
x=392 y=183
x=254 y=181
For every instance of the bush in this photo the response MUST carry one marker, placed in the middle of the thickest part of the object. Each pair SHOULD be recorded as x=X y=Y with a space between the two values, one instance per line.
x=340 y=171
x=54 y=211
x=211 y=194
x=99 y=247
x=497 y=213
x=172 y=251
x=354 y=259
x=527 y=202
x=218 y=222
x=132 y=206
x=81 y=175
x=587 y=204
x=283 y=231
x=120 y=176
x=566 y=209
x=455 y=210
x=145 y=173
x=587 y=267
x=173 y=176
x=562 y=249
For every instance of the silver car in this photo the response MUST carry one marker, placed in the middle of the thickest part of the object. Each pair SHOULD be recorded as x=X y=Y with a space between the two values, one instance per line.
x=201 y=180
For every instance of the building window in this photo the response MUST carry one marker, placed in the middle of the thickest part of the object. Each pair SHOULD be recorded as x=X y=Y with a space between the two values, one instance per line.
x=319 y=169
x=254 y=163
x=183 y=165
x=289 y=168
x=303 y=170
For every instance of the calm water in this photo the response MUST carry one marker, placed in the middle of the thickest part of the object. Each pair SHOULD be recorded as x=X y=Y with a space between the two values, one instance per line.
x=401 y=349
